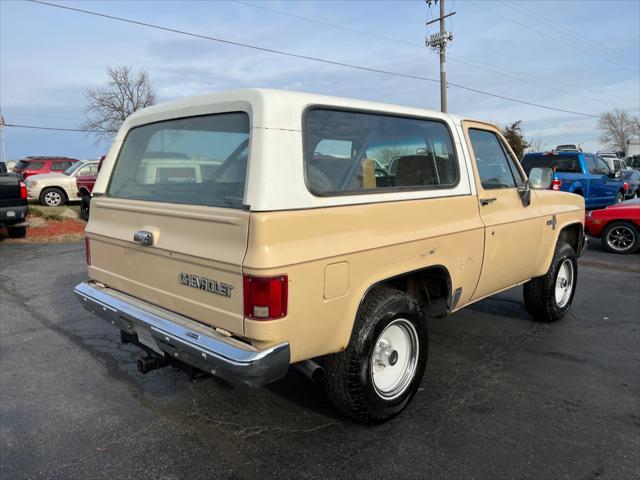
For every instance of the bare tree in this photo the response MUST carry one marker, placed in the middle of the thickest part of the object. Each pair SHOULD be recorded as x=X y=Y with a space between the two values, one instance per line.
x=388 y=153
x=616 y=128
x=109 y=106
x=537 y=145
x=635 y=125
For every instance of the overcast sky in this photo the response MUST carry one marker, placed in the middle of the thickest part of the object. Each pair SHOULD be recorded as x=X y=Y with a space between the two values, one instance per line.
x=582 y=56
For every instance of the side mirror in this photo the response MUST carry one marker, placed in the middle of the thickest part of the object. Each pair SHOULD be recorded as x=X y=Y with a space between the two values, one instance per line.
x=540 y=178
x=525 y=194
x=616 y=174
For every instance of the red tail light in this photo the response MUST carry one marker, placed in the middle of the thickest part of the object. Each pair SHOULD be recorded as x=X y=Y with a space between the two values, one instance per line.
x=87 y=248
x=626 y=186
x=265 y=298
x=556 y=184
x=23 y=191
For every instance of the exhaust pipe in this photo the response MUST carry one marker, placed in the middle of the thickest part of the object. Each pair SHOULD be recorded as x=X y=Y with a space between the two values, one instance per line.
x=311 y=370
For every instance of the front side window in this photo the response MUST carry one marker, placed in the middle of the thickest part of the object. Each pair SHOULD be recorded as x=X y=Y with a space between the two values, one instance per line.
x=196 y=160
x=602 y=167
x=60 y=166
x=495 y=166
x=86 y=170
x=354 y=152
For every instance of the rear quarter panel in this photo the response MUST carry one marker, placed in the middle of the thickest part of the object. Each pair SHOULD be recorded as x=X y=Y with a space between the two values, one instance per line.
x=334 y=255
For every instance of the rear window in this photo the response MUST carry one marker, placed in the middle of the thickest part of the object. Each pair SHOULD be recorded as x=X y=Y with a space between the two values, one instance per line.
x=350 y=152
x=196 y=160
x=560 y=163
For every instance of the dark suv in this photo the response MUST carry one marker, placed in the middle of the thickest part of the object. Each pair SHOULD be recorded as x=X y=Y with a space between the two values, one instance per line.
x=35 y=165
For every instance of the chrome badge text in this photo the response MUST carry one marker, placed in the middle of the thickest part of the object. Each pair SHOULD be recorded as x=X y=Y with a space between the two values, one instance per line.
x=206 y=284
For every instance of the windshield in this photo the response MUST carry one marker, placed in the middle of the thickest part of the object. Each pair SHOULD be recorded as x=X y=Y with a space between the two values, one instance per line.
x=634 y=162
x=196 y=160
x=71 y=170
x=559 y=163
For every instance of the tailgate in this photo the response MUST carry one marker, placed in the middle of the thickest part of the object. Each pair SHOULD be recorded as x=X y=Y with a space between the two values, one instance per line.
x=10 y=191
x=193 y=267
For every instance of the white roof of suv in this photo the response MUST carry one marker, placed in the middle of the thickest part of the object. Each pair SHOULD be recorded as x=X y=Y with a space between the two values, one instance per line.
x=276 y=180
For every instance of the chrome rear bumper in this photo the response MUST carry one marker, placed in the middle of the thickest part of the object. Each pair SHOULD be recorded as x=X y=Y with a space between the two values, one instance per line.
x=191 y=342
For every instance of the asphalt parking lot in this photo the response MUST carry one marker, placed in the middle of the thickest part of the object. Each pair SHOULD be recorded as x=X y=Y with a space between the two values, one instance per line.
x=503 y=397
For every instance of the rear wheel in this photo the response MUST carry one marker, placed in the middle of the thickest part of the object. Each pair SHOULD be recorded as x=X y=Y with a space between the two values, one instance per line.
x=17 y=232
x=621 y=237
x=52 y=197
x=380 y=371
x=548 y=298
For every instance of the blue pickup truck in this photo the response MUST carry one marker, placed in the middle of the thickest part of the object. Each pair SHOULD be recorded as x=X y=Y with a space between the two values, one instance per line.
x=585 y=174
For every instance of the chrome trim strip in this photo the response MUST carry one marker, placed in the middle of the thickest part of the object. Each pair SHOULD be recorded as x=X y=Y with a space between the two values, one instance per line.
x=185 y=339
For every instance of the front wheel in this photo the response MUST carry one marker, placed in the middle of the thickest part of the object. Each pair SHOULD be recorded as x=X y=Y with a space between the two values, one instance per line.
x=548 y=298
x=85 y=203
x=380 y=371
x=621 y=237
x=52 y=197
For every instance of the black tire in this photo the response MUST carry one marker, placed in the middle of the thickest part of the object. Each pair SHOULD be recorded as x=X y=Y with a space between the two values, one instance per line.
x=17 y=232
x=540 y=292
x=616 y=234
x=85 y=204
x=620 y=197
x=349 y=374
x=53 y=197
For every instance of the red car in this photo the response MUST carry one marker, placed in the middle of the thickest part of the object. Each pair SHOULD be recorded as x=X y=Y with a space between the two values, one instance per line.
x=617 y=225
x=28 y=166
x=85 y=184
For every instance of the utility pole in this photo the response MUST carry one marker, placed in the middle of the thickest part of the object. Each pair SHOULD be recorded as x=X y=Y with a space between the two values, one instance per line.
x=438 y=41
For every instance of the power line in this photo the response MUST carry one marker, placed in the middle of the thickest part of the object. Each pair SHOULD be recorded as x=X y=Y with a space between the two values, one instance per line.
x=536 y=30
x=307 y=57
x=562 y=29
x=20 y=114
x=457 y=58
x=37 y=127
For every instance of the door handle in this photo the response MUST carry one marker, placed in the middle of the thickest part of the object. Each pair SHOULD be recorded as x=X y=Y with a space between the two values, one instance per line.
x=486 y=201
x=143 y=238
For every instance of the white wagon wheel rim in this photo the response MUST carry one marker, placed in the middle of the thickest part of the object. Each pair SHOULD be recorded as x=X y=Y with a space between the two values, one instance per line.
x=564 y=283
x=394 y=359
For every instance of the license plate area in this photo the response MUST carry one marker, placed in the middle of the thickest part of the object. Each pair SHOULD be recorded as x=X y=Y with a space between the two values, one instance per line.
x=145 y=338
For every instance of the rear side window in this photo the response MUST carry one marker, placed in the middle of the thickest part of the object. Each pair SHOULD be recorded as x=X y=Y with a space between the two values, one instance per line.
x=196 y=160
x=350 y=152
x=559 y=163
x=34 y=165
x=495 y=166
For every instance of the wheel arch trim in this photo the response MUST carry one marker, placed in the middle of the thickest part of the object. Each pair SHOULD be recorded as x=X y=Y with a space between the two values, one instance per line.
x=451 y=296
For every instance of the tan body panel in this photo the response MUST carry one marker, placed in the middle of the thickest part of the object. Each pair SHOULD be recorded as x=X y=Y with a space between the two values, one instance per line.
x=205 y=241
x=519 y=243
x=568 y=209
x=377 y=241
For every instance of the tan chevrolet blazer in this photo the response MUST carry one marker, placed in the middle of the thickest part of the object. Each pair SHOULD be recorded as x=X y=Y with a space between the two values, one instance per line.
x=318 y=232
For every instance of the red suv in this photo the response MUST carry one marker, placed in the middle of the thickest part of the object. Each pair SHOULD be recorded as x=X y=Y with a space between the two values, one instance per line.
x=35 y=165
